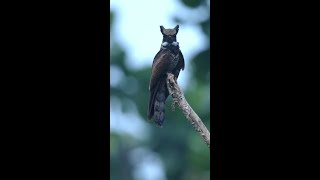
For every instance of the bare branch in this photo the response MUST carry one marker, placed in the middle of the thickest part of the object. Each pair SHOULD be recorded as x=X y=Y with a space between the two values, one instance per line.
x=180 y=100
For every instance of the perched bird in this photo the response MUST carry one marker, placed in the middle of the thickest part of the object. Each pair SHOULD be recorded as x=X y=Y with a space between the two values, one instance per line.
x=168 y=59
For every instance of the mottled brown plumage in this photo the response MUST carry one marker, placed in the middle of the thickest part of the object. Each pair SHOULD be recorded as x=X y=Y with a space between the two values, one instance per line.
x=168 y=59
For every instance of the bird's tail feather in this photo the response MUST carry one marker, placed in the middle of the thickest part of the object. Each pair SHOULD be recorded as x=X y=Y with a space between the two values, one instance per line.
x=157 y=102
x=159 y=106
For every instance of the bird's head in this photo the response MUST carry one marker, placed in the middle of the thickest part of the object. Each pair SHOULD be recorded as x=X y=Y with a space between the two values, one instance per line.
x=169 y=36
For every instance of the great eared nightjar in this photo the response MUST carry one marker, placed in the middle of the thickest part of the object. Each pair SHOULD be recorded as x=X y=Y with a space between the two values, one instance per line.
x=169 y=59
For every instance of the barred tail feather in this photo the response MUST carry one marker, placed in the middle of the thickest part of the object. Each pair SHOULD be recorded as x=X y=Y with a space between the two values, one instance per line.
x=159 y=108
x=157 y=101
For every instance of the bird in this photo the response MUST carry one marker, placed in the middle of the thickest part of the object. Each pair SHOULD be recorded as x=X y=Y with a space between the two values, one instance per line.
x=169 y=59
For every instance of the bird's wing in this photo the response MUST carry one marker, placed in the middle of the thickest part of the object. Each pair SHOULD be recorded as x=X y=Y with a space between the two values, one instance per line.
x=181 y=61
x=160 y=66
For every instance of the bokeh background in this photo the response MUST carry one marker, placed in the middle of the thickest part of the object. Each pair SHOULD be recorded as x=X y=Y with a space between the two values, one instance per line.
x=139 y=149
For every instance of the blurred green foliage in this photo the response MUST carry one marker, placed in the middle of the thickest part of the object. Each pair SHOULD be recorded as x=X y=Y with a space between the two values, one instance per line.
x=182 y=151
x=192 y=3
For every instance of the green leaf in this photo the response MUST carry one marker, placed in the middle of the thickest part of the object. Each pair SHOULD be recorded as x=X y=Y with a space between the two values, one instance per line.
x=192 y=3
x=202 y=66
x=111 y=19
x=206 y=27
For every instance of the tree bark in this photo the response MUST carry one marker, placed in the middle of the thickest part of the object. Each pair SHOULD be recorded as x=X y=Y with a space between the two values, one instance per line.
x=180 y=100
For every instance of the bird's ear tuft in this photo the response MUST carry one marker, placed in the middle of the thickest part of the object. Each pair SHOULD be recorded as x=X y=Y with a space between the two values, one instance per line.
x=161 y=29
x=177 y=29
